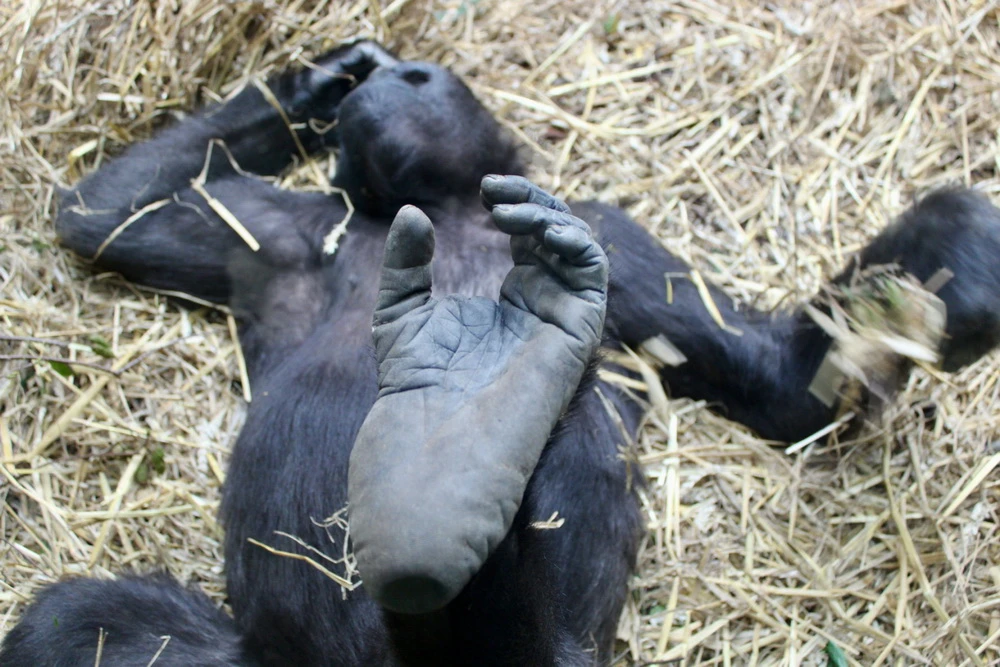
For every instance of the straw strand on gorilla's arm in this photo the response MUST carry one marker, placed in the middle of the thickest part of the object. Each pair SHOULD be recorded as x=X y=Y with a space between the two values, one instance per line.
x=191 y=185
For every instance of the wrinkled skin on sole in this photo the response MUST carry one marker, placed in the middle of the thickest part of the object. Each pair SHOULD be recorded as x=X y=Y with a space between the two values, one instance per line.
x=482 y=384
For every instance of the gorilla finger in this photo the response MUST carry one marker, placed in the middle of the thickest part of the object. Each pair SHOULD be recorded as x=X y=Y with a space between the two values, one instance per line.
x=406 y=266
x=495 y=189
x=410 y=241
x=575 y=258
x=518 y=219
x=377 y=55
x=353 y=60
x=368 y=58
x=570 y=243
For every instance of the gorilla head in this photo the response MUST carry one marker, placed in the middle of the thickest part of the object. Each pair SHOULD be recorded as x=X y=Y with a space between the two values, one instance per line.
x=413 y=133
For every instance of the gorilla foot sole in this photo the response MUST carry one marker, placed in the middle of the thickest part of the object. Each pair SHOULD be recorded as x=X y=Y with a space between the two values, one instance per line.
x=430 y=501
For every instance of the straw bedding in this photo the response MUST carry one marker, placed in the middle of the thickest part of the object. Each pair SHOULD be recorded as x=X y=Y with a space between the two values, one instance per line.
x=763 y=142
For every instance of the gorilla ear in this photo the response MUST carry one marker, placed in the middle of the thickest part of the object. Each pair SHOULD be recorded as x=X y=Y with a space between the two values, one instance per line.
x=406 y=266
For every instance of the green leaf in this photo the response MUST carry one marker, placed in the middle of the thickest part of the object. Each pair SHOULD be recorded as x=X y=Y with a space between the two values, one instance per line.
x=157 y=459
x=611 y=24
x=26 y=375
x=101 y=347
x=142 y=473
x=836 y=657
x=61 y=368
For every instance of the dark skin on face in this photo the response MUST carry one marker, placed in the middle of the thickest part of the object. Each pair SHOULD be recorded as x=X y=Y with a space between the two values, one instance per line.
x=476 y=415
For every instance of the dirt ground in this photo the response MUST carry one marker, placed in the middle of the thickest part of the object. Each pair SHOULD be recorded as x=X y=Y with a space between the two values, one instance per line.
x=765 y=143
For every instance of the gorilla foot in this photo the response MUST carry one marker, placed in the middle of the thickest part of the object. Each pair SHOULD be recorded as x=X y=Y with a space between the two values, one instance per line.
x=469 y=392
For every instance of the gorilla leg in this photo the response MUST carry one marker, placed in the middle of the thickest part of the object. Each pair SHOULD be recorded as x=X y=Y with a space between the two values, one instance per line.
x=430 y=501
x=553 y=590
x=490 y=381
x=287 y=475
x=585 y=476
x=129 y=621
x=750 y=370
x=509 y=614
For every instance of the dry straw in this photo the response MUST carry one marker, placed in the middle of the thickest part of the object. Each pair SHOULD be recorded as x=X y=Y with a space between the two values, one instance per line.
x=764 y=142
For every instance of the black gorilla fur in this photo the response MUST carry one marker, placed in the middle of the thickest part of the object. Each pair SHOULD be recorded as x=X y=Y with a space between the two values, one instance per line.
x=412 y=133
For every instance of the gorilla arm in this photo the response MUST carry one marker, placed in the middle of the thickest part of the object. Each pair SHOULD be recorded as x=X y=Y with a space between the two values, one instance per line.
x=759 y=367
x=753 y=368
x=469 y=392
x=140 y=214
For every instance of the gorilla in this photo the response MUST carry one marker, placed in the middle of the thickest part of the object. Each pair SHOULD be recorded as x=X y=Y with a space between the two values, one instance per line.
x=477 y=417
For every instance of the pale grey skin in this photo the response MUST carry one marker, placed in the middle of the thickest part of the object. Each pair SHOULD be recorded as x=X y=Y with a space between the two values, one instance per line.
x=470 y=390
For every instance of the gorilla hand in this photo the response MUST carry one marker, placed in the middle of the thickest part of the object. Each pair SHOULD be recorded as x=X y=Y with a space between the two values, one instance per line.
x=469 y=392
x=322 y=85
x=958 y=231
